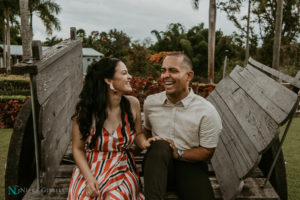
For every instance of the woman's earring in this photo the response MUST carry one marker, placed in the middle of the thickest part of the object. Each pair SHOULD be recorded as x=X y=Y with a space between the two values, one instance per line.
x=112 y=88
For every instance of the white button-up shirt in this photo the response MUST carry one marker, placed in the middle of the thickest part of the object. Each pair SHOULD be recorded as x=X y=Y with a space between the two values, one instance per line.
x=191 y=122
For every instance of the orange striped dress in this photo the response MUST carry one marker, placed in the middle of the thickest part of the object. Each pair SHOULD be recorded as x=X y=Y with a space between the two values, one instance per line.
x=113 y=166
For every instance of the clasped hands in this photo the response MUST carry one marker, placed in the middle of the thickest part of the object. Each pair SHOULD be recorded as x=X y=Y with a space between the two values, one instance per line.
x=147 y=143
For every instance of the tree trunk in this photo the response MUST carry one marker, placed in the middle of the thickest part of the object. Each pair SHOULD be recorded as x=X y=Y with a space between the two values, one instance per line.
x=211 y=39
x=277 y=37
x=4 y=44
x=8 y=64
x=25 y=31
x=248 y=33
x=30 y=27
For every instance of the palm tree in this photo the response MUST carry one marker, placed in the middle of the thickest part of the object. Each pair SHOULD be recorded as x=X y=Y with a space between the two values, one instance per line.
x=26 y=37
x=7 y=17
x=52 y=41
x=46 y=10
x=211 y=36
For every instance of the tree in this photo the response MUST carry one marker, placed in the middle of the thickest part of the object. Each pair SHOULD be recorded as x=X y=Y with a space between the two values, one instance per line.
x=52 y=41
x=139 y=64
x=263 y=14
x=26 y=37
x=277 y=37
x=8 y=10
x=248 y=32
x=211 y=40
x=211 y=36
x=194 y=42
x=46 y=10
x=245 y=34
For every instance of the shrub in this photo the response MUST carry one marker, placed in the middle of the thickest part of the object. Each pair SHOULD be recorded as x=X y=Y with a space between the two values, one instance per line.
x=9 y=109
x=142 y=87
x=14 y=85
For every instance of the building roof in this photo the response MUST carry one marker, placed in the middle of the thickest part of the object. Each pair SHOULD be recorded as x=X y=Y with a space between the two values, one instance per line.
x=17 y=50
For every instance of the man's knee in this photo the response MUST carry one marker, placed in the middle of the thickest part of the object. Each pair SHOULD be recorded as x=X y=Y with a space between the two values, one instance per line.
x=160 y=149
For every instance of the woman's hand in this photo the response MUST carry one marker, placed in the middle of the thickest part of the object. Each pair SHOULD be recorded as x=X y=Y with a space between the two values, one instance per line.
x=147 y=143
x=91 y=188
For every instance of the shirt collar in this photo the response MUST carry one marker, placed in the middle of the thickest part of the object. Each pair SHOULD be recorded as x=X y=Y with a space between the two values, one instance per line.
x=185 y=101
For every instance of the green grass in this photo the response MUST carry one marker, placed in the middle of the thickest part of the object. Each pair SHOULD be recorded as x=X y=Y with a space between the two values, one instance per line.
x=4 y=143
x=291 y=149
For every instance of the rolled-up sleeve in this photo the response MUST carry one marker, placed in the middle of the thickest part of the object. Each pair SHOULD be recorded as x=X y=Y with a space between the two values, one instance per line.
x=147 y=124
x=210 y=129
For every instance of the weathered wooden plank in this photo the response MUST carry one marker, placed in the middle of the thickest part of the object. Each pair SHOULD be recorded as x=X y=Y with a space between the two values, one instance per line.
x=54 y=52
x=242 y=151
x=23 y=68
x=51 y=77
x=37 y=52
x=298 y=76
x=229 y=187
x=53 y=106
x=267 y=93
x=68 y=156
x=65 y=171
x=258 y=125
x=54 y=145
x=275 y=73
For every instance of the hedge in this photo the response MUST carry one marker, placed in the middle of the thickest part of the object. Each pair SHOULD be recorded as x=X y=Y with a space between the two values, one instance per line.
x=14 y=85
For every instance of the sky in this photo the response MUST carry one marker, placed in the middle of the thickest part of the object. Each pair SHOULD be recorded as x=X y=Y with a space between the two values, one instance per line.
x=137 y=18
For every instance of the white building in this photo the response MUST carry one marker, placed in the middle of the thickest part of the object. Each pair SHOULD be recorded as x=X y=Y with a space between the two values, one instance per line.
x=89 y=55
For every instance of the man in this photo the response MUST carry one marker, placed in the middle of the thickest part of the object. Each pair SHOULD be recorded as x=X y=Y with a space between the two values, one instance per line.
x=190 y=128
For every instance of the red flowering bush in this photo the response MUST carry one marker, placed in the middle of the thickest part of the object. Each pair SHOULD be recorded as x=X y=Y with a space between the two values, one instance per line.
x=142 y=87
x=9 y=111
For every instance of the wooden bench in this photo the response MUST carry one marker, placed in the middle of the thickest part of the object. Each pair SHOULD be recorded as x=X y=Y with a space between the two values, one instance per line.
x=252 y=107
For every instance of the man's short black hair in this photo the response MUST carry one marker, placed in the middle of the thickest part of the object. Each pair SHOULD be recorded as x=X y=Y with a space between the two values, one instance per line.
x=186 y=60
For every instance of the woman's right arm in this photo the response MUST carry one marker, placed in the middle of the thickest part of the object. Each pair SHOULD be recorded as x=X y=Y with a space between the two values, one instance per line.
x=79 y=155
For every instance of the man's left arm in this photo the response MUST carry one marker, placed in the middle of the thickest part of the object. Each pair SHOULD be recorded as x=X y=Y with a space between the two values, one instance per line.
x=210 y=128
x=192 y=155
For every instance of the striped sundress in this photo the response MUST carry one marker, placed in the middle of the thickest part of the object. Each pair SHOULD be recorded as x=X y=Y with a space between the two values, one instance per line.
x=113 y=166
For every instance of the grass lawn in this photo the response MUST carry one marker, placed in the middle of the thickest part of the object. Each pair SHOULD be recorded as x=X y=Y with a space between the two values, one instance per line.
x=4 y=143
x=291 y=149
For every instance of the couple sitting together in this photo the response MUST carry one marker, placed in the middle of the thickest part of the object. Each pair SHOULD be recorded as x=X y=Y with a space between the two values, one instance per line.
x=181 y=131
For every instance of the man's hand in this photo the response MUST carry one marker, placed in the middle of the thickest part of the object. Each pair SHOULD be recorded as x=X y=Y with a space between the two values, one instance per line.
x=173 y=147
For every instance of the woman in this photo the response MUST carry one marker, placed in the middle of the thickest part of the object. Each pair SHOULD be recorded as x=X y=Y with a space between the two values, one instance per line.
x=105 y=125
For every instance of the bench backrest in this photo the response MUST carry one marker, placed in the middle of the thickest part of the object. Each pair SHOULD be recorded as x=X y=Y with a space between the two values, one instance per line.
x=56 y=81
x=252 y=106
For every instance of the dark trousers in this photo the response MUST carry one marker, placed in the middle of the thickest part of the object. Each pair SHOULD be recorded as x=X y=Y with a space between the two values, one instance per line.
x=162 y=173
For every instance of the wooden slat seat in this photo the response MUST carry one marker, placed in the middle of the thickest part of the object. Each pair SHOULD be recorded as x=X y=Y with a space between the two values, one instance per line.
x=59 y=190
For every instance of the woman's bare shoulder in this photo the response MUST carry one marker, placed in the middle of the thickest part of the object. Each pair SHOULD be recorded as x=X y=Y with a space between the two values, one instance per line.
x=133 y=100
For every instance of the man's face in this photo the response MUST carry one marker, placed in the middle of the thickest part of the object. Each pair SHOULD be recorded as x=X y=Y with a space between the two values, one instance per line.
x=175 y=76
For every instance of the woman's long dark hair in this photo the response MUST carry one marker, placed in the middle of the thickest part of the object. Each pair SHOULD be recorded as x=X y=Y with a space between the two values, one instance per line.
x=93 y=100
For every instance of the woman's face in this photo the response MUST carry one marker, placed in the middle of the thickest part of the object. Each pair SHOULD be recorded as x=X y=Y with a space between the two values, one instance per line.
x=121 y=79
